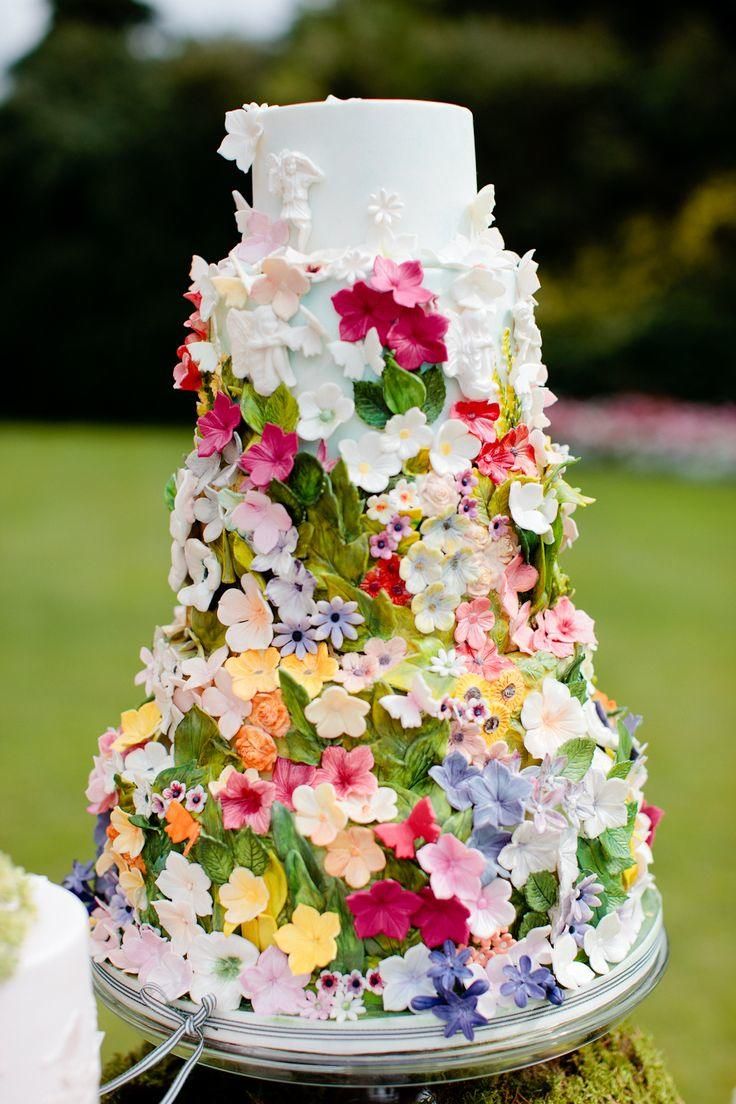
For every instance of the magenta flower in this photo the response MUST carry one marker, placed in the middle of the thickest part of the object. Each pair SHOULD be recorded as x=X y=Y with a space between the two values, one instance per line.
x=474 y=621
x=247 y=800
x=348 y=771
x=287 y=775
x=218 y=425
x=384 y=909
x=361 y=309
x=270 y=458
x=438 y=920
x=403 y=281
x=417 y=338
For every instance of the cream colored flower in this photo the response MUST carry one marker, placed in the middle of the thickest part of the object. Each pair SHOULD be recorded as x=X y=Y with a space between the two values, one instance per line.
x=244 y=896
x=434 y=608
x=354 y=855
x=319 y=815
x=129 y=839
x=337 y=713
x=309 y=940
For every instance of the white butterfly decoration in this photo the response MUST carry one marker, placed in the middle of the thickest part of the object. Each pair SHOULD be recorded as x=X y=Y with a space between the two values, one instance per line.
x=355 y=356
x=409 y=708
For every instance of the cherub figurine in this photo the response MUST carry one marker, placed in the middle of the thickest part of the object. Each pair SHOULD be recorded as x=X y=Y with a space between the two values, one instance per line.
x=291 y=175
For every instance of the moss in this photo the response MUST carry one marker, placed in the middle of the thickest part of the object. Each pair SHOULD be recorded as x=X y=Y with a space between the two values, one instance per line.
x=622 y=1068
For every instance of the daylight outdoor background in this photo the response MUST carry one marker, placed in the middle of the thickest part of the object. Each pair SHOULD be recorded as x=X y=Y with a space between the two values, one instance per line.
x=608 y=135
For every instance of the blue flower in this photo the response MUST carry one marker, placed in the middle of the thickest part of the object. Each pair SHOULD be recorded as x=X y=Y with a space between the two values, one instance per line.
x=490 y=842
x=336 y=620
x=525 y=984
x=586 y=899
x=100 y=836
x=453 y=776
x=449 y=965
x=79 y=882
x=498 y=795
x=458 y=1011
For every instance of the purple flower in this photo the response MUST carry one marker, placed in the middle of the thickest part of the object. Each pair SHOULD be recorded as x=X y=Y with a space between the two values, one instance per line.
x=100 y=836
x=119 y=908
x=632 y=722
x=498 y=795
x=383 y=545
x=336 y=620
x=448 y=965
x=468 y=507
x=526 y=984
x=174 y=792
x=458 y=1011
x=295 y=637
x=79 y=882
x=490 y=842
x=465 y=481
x=158 y=805
x=587 y=898
x=196 y=798
x=398 y=528
x=453 y=776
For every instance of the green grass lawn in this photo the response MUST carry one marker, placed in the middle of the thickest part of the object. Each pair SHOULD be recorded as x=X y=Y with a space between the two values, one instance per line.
x=84 y=551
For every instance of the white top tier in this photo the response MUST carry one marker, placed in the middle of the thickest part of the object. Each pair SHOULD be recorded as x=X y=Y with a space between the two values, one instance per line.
x=423 y=152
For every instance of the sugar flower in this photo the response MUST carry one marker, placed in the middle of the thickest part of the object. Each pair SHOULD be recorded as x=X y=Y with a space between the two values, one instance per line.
x=137 y=726
x=291 y=591
x=247 y=615
x=184 y=880
x=531 y=509
x=139 y=945
x=606 y=943
x=295 y=637
x=355 y=356
x=282 y=285
x=440 y=919
x=474 y=621
x=407 y=434
x=309 y=940
x=217 y=961
x=362 y=308
x=127 y=838
x=319 y=815
x=405 y=977
x=602 y=803
x=286 y=776
x=203 y=569
x=244 y=128
x=417 y=337
x=179 y=920
x=253 y=672
x=514 y=452
x=256 y=747
x=491 y=909
x=550 y=718
x=524 y=983
x=181 y=827
x=270 y=985
x=403 y=281
x=262 y=235
x=380 y=805
x=480 y=417
x=434 y=609
x=216 y=428
x=322 y=411
x=420 y=567
x=454 y=776
x=569 y=973
x=312 y=671
x=348 y=771
x=453 y=448
x=384 y=909
x=336 y=713
x=529 y=852
x=357 y=671
x=244 y=896
x=369 y=465
x=270 y=458
x=354 y=856
x=454 y=869
x=498 y=795
x=387 y=653
x=171 y=973
x=559 y=629
x=261 y=520
x=247 y=800
x=221 y=701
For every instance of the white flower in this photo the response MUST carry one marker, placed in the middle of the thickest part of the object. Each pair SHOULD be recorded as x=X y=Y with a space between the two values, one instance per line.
x=280 y=559
x=447 y=664
x=322 y=411
x=346 y=1007
x=569 y=973
x=181 y=880
x=352 y=265
x=602 y=803
x=434 y=609
x=248 y=616
x=407 y=434
x=405 y=977
x=459 y=569
x=597 y=730
x=481 y=209
x=144 y=763
x=201 y=275
x=384 y=207
x=470 y=354
x=204 y=355
x=550 y=718
x=336 y=713
x=220 y=702
x=608 y=942
x=420 y=566
x=210 y=511
x=438 y=494
x=259 y=344
x=200 y=671
x=449 y=532
x=244 y=129
x=403 y=497
x=368 y=465
x=380 y=508
x=318 y=814
x=355 y=356
x=477 y=289
x=203 y=569
x=491 y=909
x=529 y=852
x=217 y=961
x=453 y=448
x=531 y=509
x=379 y=806
x=179 y=920
x=567 y=859
x=291 y=592
x=181 y=517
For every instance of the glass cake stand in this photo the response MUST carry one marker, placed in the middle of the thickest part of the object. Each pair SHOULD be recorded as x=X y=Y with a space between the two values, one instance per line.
x=385 y=1053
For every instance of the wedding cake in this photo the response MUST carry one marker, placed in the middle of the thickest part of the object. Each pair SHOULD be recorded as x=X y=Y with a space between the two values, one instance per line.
x=49 y=1044
x=369 y=770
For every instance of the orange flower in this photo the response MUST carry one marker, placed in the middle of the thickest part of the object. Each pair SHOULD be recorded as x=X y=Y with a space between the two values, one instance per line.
x=608 y=704
x=255 y=747
x=181 y=826
x=270 y=713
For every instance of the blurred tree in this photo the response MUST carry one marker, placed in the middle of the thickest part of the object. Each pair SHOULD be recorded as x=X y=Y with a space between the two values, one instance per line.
x=603 y=128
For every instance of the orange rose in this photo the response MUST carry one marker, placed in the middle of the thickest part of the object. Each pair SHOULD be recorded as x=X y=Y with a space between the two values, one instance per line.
x=255 y=747
x=270 y=713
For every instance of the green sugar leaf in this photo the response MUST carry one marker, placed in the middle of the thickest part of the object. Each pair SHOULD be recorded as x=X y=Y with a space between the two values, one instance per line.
x=541 y=891
x=402 y=390
x=253 y=407
x=579 y=755
x=281 y=409
x=434 y=382
x=215 y=859
x=531 y=920
x=307 y=479
x=193 y=735
x=370 y=405
x=248 y=851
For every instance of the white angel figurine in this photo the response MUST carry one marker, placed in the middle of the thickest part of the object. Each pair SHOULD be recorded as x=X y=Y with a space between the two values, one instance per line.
x=260 y=342
x=291 y=175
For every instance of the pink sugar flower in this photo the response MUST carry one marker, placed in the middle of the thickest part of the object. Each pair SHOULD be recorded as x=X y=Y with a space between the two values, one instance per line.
x=263 y=236
x=383 y=545
x=263 y=519
x=474 y=620
x=361 y=309
x=271 y=987
x=454 y=869
x=518 y=578
x=559 y=629
x=417 y=338
x=139 y=947
x=247 y=800
x=218 y=425
x=439 y=920
x=287 y=775
x=101 y=792
x=324 y=457
x=654 y=815
x=480 y=417
x=384 y=909
x=270 y=458
x=348 y=771
x=403 y=281
x=520 y=632
x=486 y=661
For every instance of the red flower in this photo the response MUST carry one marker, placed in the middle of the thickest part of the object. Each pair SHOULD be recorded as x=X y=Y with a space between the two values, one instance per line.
x=512 y=453
x=440 y=920
x=478 y=417
x=385 y=576
x=384 y=909
x=416 y=338
x=361 y=308
x=186 y=372
x=420 y=824
x=197 y=326
x=655 y=814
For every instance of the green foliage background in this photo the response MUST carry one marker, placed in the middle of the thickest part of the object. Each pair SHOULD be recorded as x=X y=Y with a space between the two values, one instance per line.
x=604 y=127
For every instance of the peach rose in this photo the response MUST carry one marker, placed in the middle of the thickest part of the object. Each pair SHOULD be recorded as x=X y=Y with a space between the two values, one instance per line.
x=255 y=747
x=270 y=713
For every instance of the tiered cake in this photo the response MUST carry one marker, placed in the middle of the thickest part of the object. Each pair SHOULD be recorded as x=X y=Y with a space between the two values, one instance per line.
x=371 y=772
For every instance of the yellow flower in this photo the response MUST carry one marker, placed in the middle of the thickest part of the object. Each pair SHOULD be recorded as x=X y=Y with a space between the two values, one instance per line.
x=127 y=839
x=309 y=940
x=254 y=672
x=137 y=726
x=313 y=671
x=244 y=896
x=133 y=885
x=509 y=689
x=493 y=714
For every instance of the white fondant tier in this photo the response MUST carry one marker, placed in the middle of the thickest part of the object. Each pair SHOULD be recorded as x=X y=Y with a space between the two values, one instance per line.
x=361 y=147
x=49 y=1043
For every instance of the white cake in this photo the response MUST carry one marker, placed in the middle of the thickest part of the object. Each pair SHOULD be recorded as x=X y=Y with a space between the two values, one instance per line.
x=49 y=1043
